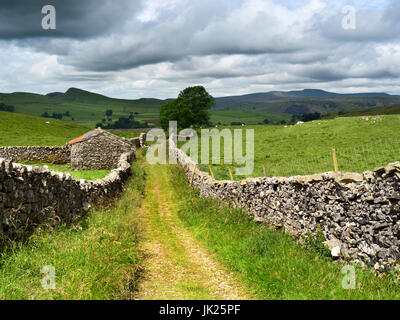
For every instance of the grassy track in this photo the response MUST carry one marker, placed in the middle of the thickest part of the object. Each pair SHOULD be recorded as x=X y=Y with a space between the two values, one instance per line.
x=94 y=259
x=177 y=266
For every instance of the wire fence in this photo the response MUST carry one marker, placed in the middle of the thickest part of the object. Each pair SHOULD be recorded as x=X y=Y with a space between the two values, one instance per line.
x=359 y=158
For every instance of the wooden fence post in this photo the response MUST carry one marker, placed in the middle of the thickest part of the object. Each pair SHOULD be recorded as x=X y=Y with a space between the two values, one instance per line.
x=335 y=162
x=230 y=173
x=265 y=171
x=212 y=174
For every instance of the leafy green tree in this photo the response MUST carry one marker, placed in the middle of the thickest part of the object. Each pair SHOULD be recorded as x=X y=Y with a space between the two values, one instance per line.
x=109 y=113
x=176 y=110
x=190 y=108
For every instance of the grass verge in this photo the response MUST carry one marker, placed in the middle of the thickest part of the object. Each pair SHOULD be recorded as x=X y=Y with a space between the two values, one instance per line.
x=96 y=258
x=270 y=263
x=79 y=174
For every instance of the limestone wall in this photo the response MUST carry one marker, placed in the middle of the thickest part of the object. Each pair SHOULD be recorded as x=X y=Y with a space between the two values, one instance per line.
x=358 y=213
x=34 y=196
x=56 y=155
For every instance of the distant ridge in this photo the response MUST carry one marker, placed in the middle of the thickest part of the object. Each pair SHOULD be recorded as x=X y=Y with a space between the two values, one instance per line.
x=89 y=108
x=307 y=93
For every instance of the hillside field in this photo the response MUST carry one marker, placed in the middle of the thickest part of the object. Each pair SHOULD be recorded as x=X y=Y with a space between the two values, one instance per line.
x=361 y=145
x=24 y=130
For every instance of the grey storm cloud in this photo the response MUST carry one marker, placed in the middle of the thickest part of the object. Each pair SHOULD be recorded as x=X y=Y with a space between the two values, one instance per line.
x=22 y=19
x=191 y=29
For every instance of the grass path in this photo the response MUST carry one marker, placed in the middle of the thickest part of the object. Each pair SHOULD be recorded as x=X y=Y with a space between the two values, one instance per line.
x=177 y=266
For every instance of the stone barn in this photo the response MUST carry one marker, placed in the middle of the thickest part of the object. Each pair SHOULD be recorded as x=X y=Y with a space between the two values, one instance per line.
x=97 y=150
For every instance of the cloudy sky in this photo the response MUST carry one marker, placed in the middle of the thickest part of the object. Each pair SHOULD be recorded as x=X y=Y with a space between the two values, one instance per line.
x=155 y=48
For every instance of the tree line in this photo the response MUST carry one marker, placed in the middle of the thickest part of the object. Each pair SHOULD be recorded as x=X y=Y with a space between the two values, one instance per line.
x=57 y=116
x=7 y=108
x=122 y=122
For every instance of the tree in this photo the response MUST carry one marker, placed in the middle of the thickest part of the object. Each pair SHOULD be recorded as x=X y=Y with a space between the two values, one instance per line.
x=266 y=121
x=4 y=107
x=190 y=108
x=109 y=113
x=176 y=110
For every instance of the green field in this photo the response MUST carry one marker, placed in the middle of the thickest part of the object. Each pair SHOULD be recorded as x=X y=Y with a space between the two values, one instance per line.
x=23 y=130
x=306 y=149
x=248 y=117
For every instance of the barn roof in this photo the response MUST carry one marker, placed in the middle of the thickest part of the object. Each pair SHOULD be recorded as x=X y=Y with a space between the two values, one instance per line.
x=87 y=136
x=75 y=140
x=95 y=133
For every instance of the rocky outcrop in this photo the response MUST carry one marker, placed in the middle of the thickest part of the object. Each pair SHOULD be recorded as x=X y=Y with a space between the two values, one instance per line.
x=359 y=214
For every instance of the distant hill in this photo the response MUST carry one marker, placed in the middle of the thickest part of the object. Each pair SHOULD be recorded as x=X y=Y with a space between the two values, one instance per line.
x=23 y=130
x=304 y=101
x=88 y=108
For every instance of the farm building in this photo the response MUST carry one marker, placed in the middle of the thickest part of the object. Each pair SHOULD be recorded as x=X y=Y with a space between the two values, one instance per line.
x=98 y=149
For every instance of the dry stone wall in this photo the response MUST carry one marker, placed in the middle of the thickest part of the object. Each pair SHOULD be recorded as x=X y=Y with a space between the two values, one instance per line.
x=34 y=196
x=359 y=214
x=56 y=155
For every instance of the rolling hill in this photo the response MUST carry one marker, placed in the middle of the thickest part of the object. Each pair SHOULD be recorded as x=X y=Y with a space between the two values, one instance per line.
x=85 y=108
x=89 y=108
